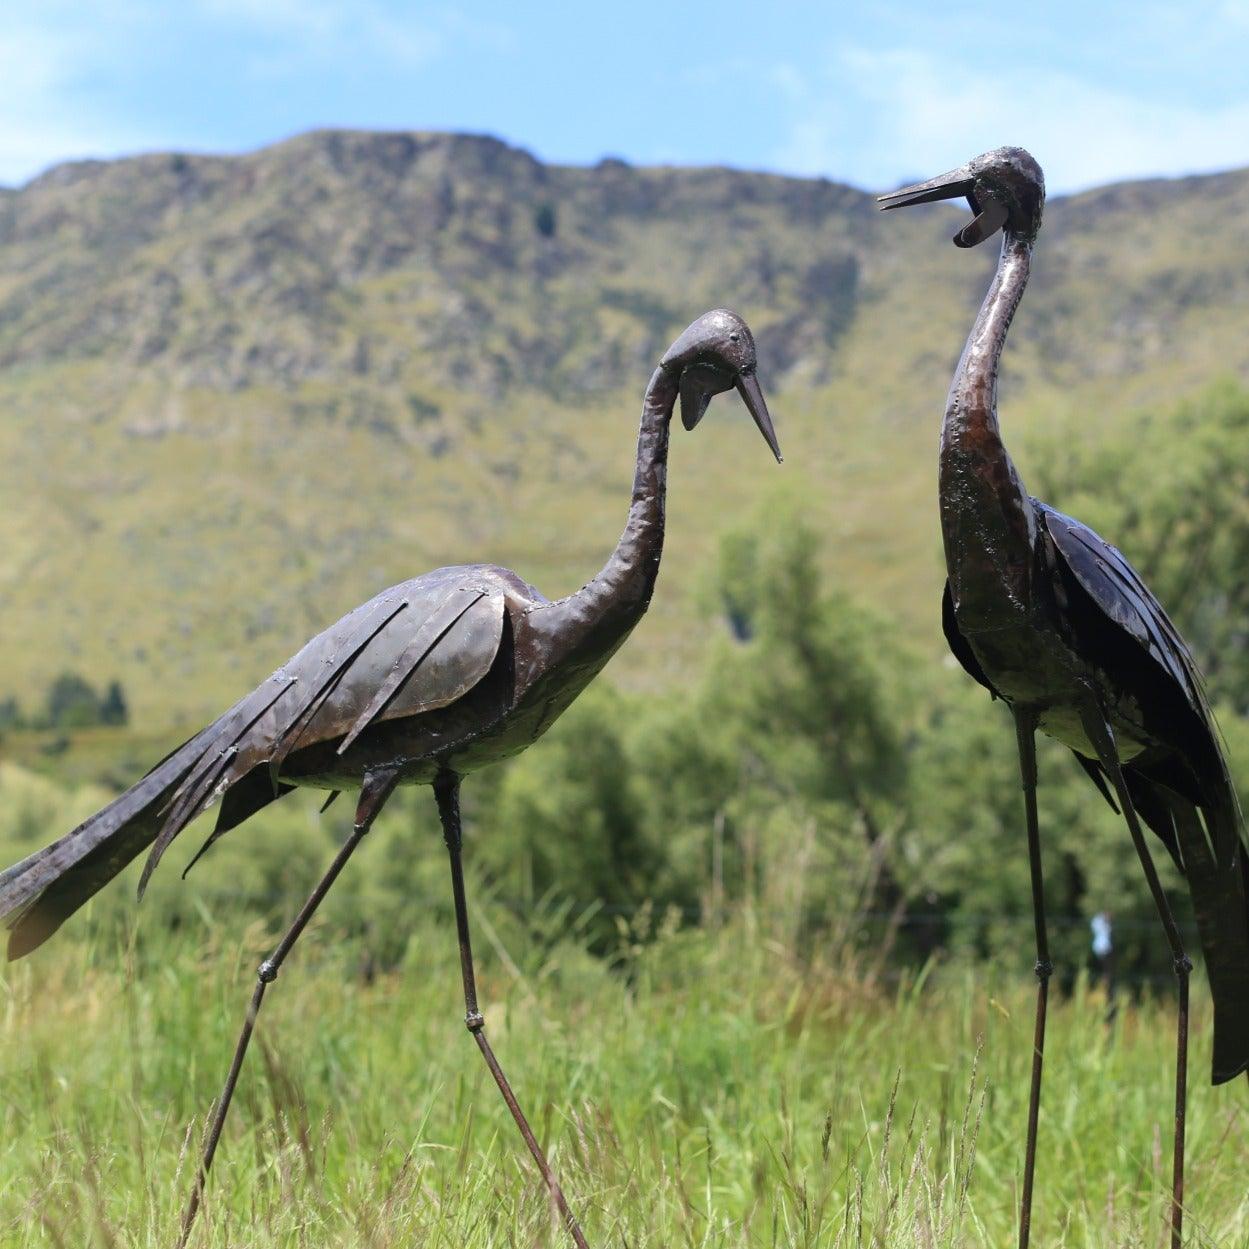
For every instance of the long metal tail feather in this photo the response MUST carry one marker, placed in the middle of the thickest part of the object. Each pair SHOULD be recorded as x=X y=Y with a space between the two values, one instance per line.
x=1215 y=869
x=38 y=894
x=196 y=791
x=1207 y=846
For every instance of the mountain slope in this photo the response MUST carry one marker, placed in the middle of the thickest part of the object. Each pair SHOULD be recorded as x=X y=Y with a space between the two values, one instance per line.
x=243 y=393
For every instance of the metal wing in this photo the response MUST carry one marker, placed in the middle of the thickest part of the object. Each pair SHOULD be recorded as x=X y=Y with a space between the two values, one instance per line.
x=1115 y=586
x=962 y=651
x=959 y=646
x=413 y=648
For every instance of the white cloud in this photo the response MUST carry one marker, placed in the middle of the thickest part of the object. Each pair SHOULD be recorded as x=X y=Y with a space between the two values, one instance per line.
x=879 y=117
x=62 y=63
x=27 y=152
x=327 y=31
x=1236 y=11
x=78 y=78
x=38 y=122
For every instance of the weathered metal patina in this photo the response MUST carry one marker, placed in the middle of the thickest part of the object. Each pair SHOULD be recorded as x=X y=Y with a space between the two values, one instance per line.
x=423 y=684
x=1050 y=617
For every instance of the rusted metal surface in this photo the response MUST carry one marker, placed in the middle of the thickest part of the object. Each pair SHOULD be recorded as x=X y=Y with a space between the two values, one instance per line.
x=1049 y=616
x=427 y=681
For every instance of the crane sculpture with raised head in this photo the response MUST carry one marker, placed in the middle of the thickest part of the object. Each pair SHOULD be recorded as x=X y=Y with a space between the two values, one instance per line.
x=1052 y=619
x=426 y=682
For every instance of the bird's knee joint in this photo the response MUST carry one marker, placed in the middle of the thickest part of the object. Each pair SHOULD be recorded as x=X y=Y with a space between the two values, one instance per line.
x=474 y=1021
x=267 y=972
x=1183 y=965
x=1044 y=969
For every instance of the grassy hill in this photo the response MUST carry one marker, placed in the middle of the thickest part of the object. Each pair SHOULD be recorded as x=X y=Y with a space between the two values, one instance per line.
x=240 y=394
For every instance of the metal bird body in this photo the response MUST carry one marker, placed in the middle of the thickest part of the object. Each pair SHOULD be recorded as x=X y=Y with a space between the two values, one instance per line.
x=1051 y=618
x=479 y=665
x=1094 y=627
x=426 y=682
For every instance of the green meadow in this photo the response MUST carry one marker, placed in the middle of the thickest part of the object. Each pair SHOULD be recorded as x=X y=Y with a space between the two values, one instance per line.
x=755 y=951
x=719 y=1086
x=753 y=920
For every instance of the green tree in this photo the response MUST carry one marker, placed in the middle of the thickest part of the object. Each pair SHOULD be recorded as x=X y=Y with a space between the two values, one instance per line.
x=567 y=819
x=790 y=759
x=113 y=706
x=72 y=702
x=10 y=713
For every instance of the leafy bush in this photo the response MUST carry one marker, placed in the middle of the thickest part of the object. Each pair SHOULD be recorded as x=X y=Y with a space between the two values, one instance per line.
x=814 y=772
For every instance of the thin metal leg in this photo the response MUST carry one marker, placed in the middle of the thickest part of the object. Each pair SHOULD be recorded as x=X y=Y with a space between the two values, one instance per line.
x=1025 y=732
x=373 y=795
x=1183 y=965
x=1101 y=735
x=447 y=793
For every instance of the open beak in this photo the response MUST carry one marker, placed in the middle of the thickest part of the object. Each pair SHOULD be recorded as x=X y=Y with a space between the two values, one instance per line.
x=989 y=217
x=752 y=396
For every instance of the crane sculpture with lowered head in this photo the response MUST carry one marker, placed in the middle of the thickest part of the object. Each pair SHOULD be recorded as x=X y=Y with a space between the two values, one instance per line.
x=424 y=683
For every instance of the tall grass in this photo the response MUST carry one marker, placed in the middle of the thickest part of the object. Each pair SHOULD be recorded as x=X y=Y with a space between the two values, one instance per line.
x=714 y=1087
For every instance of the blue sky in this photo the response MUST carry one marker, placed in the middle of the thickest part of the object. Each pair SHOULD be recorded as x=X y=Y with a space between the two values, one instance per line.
x=866 y=93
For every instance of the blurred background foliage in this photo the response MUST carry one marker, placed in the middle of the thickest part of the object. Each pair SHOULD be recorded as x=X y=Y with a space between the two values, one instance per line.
x=815 y=768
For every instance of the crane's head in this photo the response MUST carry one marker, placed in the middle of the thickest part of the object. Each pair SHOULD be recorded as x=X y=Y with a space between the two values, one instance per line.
x=1005 y=188
x=715 y=354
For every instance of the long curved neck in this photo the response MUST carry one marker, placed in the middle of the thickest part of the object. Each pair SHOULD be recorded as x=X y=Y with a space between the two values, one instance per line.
x=625 y=583
x=568 y=641
x=987 y=521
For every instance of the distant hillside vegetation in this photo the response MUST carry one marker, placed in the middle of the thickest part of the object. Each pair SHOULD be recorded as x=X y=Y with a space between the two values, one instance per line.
x=242 y=393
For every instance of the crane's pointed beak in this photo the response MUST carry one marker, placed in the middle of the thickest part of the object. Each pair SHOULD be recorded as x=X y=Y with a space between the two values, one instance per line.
x=946 y=186
x=752 y=396
x=990 y=214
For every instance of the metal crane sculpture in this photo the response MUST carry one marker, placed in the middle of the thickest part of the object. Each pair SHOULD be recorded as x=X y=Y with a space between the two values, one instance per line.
x=426 y=682
x=1051 y=618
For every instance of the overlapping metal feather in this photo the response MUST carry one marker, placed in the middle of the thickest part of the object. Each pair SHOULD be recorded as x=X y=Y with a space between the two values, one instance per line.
x=384 y=659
